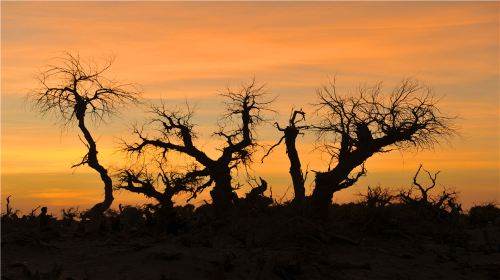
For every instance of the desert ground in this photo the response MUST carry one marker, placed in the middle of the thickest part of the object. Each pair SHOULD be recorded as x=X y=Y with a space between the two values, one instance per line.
x=277 y=242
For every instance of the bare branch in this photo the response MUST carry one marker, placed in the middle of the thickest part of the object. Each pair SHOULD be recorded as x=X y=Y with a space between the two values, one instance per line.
x=272 y=147
x=290 y=134
x=245 y=109
x=75 y=90
x=352 y=180
x=74 y=83
x=355 y=127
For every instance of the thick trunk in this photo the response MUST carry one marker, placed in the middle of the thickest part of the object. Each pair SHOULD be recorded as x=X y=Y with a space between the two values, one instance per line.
x=93 y=163
x=166 y=200
x=323 y=193
x=222 y=193
x=327 y=183
x=295 y=166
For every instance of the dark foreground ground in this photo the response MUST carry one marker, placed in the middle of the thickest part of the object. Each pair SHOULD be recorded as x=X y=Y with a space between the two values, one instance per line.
x=356 y=242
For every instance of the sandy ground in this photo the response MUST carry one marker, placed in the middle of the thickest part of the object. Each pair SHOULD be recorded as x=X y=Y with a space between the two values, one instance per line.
x=231 y=252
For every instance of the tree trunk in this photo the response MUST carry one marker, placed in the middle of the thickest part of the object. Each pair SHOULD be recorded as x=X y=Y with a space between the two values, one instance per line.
x=222 y=193
x=295 y=166
x=322 y=194
x=327 y=183
x=93 y=163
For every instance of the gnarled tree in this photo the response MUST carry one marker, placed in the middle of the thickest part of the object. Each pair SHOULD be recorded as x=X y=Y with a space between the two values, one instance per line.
x=446 y=201
x=159 y=184
x=76 y=91
x=244 y=106
x=358 y=126
x=290 y=134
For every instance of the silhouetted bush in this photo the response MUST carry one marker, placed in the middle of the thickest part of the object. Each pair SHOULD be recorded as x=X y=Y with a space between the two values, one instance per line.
x=377 y=197
x=443 y=206
x=131 y=217
x=482 y=215
x=69 y=216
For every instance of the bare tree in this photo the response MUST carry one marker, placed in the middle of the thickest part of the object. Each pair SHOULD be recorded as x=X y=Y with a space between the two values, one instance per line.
x=290 y=134
x=75 y=90
x=406 y=196
x=244 y=107
x=257 y=191
x=356 y=127
x=447 y=200
x=151 y=183
x=377 y=197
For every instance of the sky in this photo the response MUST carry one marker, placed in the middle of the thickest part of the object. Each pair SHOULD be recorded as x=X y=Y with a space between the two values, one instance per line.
x=187 y=52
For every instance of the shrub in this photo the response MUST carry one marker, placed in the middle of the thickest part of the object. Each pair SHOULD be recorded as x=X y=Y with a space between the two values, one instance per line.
x=482 y=215
x=377 y=197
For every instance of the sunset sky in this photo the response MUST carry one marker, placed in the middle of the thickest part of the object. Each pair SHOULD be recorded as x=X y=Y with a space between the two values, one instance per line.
x=188 y=51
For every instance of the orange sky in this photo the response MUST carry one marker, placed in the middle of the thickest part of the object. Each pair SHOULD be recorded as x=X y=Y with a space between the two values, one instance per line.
x=188 y=51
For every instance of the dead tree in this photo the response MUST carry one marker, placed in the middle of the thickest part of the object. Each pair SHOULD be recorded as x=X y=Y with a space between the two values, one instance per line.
x=423 y=198
x=255 y=198
x=9 y=213
x=8 y=209
x=446 y=201
x=75 y=90
x=258 y=190
x=377 y=197
x=161 y=185
x=290 y=134
x=356 y=127
x=244 y=107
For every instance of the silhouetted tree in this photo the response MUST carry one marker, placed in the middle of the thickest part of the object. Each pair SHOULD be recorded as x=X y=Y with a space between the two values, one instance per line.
x=356 y=127
x=290 y=134
x=244 y=106
x=258 y=191
x=9 y=213
x=76 y=90
x=161 y=185
x=255 y=200
x=377 y=197
x=447 y=200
